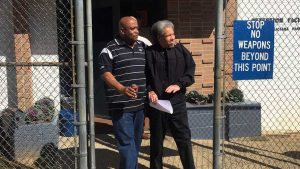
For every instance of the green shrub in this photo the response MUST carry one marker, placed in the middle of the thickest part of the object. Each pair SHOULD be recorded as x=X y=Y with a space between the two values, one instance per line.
x=210 y=98
x=195 y=98
x=234 y=95
x=42 y=111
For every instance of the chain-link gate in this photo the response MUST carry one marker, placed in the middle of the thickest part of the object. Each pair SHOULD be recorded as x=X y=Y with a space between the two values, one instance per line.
x=262 y=129
x=36 y=72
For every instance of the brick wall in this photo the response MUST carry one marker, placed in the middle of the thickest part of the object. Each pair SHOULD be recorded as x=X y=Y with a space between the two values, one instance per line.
x=23 y=73
x=230 y=16
x=194 y=27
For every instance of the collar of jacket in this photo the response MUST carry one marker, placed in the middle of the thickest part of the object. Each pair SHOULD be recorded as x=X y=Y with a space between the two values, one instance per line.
x=121 y=42
x=161 y=49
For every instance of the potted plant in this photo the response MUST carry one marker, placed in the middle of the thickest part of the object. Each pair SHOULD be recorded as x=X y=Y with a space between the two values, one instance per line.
x=41 y=112
x=241 y=119
x=194 y=97
x=38 y=128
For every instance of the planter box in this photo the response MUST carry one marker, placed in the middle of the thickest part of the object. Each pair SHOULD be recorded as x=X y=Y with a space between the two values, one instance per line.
x=29 y=139
x=242 y=120
x=200 y=121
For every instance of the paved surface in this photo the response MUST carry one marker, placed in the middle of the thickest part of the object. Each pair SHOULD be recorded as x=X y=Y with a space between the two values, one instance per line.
x=5 y=164
x=268 y=151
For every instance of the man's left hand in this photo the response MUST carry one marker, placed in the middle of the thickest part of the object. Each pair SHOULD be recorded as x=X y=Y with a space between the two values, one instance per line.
x=172 y=89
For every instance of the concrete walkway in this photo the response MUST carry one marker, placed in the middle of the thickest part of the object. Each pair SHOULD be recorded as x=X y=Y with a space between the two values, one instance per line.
x=269 y=151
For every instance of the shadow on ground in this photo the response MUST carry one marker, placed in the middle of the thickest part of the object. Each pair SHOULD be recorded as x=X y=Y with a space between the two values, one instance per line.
x=293 y=154
x=108 y=157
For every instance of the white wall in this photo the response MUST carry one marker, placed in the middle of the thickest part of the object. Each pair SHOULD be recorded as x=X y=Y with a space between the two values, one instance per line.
x=279 y=96
x=3 y=85
x=43 y=39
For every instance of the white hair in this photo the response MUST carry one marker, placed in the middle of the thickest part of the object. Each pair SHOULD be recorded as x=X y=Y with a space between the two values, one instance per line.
x=158 y=27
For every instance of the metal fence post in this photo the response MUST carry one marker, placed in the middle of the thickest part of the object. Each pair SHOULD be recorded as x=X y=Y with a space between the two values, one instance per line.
x=217 y=87
x=90 y=82
x=81 y=97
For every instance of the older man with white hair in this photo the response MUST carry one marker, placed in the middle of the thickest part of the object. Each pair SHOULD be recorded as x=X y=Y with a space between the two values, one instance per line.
x=170 y=69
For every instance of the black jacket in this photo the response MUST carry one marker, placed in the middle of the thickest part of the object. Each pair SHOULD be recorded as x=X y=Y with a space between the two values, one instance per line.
x=181 y=70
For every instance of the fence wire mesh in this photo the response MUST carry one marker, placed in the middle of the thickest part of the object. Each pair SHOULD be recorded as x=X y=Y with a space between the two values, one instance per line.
x=36 y=65
x=37 y=110
x=263 y=131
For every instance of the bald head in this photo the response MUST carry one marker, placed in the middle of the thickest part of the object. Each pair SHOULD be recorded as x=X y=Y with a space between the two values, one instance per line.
x=128 y=29
x=125 y=21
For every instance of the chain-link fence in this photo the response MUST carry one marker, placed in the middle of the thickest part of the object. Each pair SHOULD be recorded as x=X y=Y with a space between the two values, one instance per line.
x=36 y=73
x=261 y=118
x=260 y=127
x=263 y=128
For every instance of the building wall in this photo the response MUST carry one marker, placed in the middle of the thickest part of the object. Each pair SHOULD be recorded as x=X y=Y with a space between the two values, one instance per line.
x=28 y=35
x=6 y=49
x=278 y=96
x=194 y=27
x=43 y=32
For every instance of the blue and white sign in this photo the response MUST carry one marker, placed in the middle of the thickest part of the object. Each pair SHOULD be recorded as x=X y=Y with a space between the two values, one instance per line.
x=253 y=50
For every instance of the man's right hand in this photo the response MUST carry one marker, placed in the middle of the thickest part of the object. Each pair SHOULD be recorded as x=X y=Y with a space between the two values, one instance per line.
x=152 y=97
x=129 y=91
x=111 y=81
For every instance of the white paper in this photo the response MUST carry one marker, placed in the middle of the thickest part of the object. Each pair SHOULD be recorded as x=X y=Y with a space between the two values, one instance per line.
x=163 y=105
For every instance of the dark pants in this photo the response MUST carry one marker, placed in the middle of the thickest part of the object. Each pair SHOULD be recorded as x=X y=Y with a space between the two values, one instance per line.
x=178 y=124
x=128 y=129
